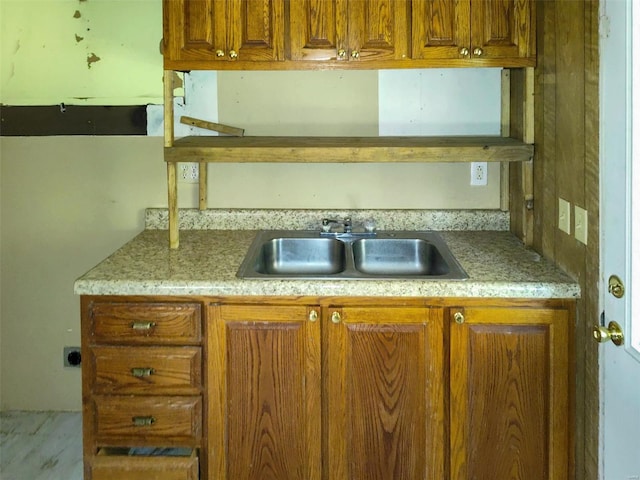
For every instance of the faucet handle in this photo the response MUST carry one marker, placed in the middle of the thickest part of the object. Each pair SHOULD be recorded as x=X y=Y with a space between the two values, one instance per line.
x=326 y=224
x=370 y=225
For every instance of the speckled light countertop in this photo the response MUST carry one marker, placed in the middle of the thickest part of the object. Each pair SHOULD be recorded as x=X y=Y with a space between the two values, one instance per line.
x=207 y=260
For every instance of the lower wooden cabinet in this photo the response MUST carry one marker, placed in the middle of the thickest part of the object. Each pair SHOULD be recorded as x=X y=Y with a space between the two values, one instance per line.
x=337 y=389
x=384 y=387
x=509 y=400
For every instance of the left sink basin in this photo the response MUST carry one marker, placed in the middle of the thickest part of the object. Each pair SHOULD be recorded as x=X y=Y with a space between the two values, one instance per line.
x=300 y=256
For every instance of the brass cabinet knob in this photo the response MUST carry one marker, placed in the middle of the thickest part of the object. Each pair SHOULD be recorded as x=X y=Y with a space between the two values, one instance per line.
x=478 y=52
x=459 y=318
x=355 y=54
x=233 y=54
x=313 y=316
x=219 y=53
x=612 y=332
x=143 y=421
x=143 y=325
x=342 y=53
x=141 y=372
x=335 y=317
x=464 y=51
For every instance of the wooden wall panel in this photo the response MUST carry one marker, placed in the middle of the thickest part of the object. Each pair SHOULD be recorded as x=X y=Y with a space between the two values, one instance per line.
x=567 y=166
x=592 y=268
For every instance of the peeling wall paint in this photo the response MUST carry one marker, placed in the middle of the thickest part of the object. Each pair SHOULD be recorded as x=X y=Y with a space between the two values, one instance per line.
x=90 y=52
x=93 y=58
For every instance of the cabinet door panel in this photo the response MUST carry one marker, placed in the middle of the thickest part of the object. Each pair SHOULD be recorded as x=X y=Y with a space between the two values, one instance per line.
x=509 y=394
x=318 y=29
x=256 y=29
x=502 y=28
x=194 y=29
x=385 y=386
x=440 y=29
x=378 y=29
x=266 y=417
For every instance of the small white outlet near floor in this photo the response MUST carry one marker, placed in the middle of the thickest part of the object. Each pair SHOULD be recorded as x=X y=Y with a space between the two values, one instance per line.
x=580 y=228
x=564 y=216
x=479 y=173
x=188 y=172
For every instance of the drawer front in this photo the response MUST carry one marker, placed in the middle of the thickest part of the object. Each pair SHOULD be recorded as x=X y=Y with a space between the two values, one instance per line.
x=146 y=370
x=114 y=467
x=145 y=323
x=153 y=421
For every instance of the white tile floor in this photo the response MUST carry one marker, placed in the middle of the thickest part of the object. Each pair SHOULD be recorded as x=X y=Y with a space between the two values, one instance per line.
x=40 y=445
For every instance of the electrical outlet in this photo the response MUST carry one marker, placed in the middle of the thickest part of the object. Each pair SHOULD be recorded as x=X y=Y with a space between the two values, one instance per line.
x=564 y=216
x=479 y=173
x=581 y=224
x=188 y=172
x=71 y=356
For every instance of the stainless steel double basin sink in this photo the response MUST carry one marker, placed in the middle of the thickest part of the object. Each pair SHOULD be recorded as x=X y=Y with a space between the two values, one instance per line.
x=292 y=254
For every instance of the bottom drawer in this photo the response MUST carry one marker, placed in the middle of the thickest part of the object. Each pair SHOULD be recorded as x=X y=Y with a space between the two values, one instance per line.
x=112 y=464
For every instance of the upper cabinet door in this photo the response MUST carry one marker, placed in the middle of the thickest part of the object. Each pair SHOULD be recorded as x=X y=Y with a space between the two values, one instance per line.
x=440 y=29
x=194 y=30
x=255 y=30
x=487 y=32
x=349 y=30
x=318 y=29
x=378 y=30
x=198 y=32
x=502 y=29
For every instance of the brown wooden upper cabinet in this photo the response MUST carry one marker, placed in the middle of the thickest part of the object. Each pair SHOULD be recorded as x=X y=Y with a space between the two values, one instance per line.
x=349 y=30
x=205 y=34
x=317 y=34
x=483 y=32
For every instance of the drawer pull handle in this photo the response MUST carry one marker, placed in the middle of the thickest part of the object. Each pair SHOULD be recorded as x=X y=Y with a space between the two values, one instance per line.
x=143 y=421
x=142 y=372
x=143 y=325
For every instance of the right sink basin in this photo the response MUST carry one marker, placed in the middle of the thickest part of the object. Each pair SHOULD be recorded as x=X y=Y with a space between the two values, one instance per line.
x=310 y=255
x=398 y=256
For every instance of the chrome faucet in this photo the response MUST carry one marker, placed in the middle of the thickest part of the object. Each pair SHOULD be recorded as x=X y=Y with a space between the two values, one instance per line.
x=345 y=228
x=328 y=223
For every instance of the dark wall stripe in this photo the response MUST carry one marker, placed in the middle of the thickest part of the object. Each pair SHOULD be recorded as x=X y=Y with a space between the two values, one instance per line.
x=73 y=120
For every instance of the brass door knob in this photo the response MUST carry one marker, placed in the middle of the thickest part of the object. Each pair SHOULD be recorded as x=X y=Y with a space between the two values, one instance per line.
x=335 y=317
x=313 y=315
x=233 y=54
x=342 y=53
x=459 y=318
x=219 y=53
x=612 y=332
x=355 y=54
x=464 y=51
x=478 y=52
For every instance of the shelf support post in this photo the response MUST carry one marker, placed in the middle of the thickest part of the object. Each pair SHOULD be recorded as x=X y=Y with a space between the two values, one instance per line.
x=505 y=131
x=172 y=167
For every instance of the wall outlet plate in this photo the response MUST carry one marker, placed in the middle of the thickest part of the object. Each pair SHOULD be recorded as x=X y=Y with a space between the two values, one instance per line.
x=580 y=228
x=188 y=172
x=478 y=173
x=564 y=216
x=71 y=356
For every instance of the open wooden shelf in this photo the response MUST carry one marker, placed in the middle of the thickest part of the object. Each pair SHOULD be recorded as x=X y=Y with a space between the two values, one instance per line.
x=348 y=149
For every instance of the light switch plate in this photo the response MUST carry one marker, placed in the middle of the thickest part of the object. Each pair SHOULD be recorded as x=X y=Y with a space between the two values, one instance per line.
x=564 y=216
x=580 y=229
